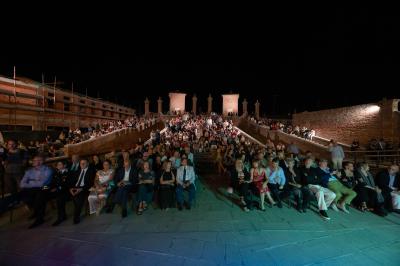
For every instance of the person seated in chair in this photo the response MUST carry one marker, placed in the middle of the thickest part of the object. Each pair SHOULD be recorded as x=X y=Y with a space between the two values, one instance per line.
x=260 y=181
x=276 y=180
x=185 y=179
x=167 y=185
x=349 y=180
x=103 y=184
x=369 y=192
x=35 y=189
x=330 y=179
x=295 y=187
x=389 y=183
x=80 y=183
x=59 y=186
x=241 y=180
x=125 y=178
x=146 y=178
x=314 y=183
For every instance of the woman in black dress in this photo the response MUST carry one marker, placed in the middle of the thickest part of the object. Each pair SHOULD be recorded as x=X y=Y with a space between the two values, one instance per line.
x=167 y=185
x=146 y=187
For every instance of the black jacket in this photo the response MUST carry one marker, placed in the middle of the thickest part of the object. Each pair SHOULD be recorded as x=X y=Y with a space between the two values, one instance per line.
x=88 y=178
x=120 y=173
x=309 y=176
x=60 y=181
x=382 y=181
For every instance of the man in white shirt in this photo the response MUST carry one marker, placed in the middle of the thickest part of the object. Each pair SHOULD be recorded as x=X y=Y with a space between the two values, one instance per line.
x=185 y=179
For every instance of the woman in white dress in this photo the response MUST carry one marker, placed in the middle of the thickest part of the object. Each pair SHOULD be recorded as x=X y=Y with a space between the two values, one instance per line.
x=103 y=184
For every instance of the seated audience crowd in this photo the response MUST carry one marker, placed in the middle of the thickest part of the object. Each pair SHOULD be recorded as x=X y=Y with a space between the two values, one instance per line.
x=162 y=171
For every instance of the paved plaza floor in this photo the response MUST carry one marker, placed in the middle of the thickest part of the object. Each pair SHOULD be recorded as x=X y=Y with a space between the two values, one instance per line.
x=215 y=232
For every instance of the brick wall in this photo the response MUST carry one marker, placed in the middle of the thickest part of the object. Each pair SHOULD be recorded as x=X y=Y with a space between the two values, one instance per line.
x=361 y=122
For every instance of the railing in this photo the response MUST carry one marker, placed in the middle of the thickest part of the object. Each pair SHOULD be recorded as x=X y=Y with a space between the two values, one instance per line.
x=376 y=157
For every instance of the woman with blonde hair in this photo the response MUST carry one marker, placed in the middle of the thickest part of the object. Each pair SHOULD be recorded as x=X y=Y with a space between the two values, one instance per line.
x=241 y=179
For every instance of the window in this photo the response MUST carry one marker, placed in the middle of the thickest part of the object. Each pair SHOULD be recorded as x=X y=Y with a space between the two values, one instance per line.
x=50 y=100
x=15 y=127
x=82 y=108
x=67 y=106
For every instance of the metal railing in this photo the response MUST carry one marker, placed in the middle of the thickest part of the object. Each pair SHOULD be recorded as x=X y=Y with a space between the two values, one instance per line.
x=376 y=157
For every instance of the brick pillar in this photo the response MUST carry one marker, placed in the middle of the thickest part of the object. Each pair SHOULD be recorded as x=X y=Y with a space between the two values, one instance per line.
x=146 y=107
x=194 y=104
x=209 y=107
x=159 y=106
x=244 y=103
x=257 y=109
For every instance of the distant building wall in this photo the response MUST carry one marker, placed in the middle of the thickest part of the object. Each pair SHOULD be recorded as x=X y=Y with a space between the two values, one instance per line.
x=30 y=103
x=362 y=122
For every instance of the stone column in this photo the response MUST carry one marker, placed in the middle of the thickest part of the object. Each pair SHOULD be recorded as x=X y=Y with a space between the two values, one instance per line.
x=244 y=103
x=194 y=104
x=257 y=109
x=209 y=108
x=146 y=107
x=159 y=106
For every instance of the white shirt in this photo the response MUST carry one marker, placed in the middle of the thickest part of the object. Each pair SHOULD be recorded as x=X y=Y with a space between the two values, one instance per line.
x=83 y=173
x=126 y=176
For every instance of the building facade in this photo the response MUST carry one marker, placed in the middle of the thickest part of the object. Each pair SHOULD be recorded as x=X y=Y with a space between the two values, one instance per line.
x=29 y=105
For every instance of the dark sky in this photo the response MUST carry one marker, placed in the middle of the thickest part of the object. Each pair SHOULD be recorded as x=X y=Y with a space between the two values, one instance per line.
x=288 y=59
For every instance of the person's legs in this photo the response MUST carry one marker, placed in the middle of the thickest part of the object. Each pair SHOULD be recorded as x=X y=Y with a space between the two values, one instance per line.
x=339 y=163
x=269 y=197
x=334 y=163
x=274 y=188
x=124 y=197
x=387 y=200
x=262 y=199
x=329 y=196
x=296 y=192
x=319 y=194
x=40 y=204
x=79 y=201
x=306 y=193
x=395 y=200
x=192 y=194
x=179 y=195
x=109 y=206
x=101 y=200
x=335 y=186
x=28 y=197
x=61 y=201
x=162 y=197
x=347 y=194
x=141 y=197
x=92 y=203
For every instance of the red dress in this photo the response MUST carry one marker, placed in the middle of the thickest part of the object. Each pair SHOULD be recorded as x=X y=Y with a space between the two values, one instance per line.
x=259 y=179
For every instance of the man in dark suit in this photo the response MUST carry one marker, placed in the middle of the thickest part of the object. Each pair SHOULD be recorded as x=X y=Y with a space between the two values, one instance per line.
x=125 y=178
x=80 y=183
x=389 y=182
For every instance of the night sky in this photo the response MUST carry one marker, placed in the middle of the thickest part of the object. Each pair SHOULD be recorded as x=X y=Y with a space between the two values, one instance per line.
x=289 y=60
